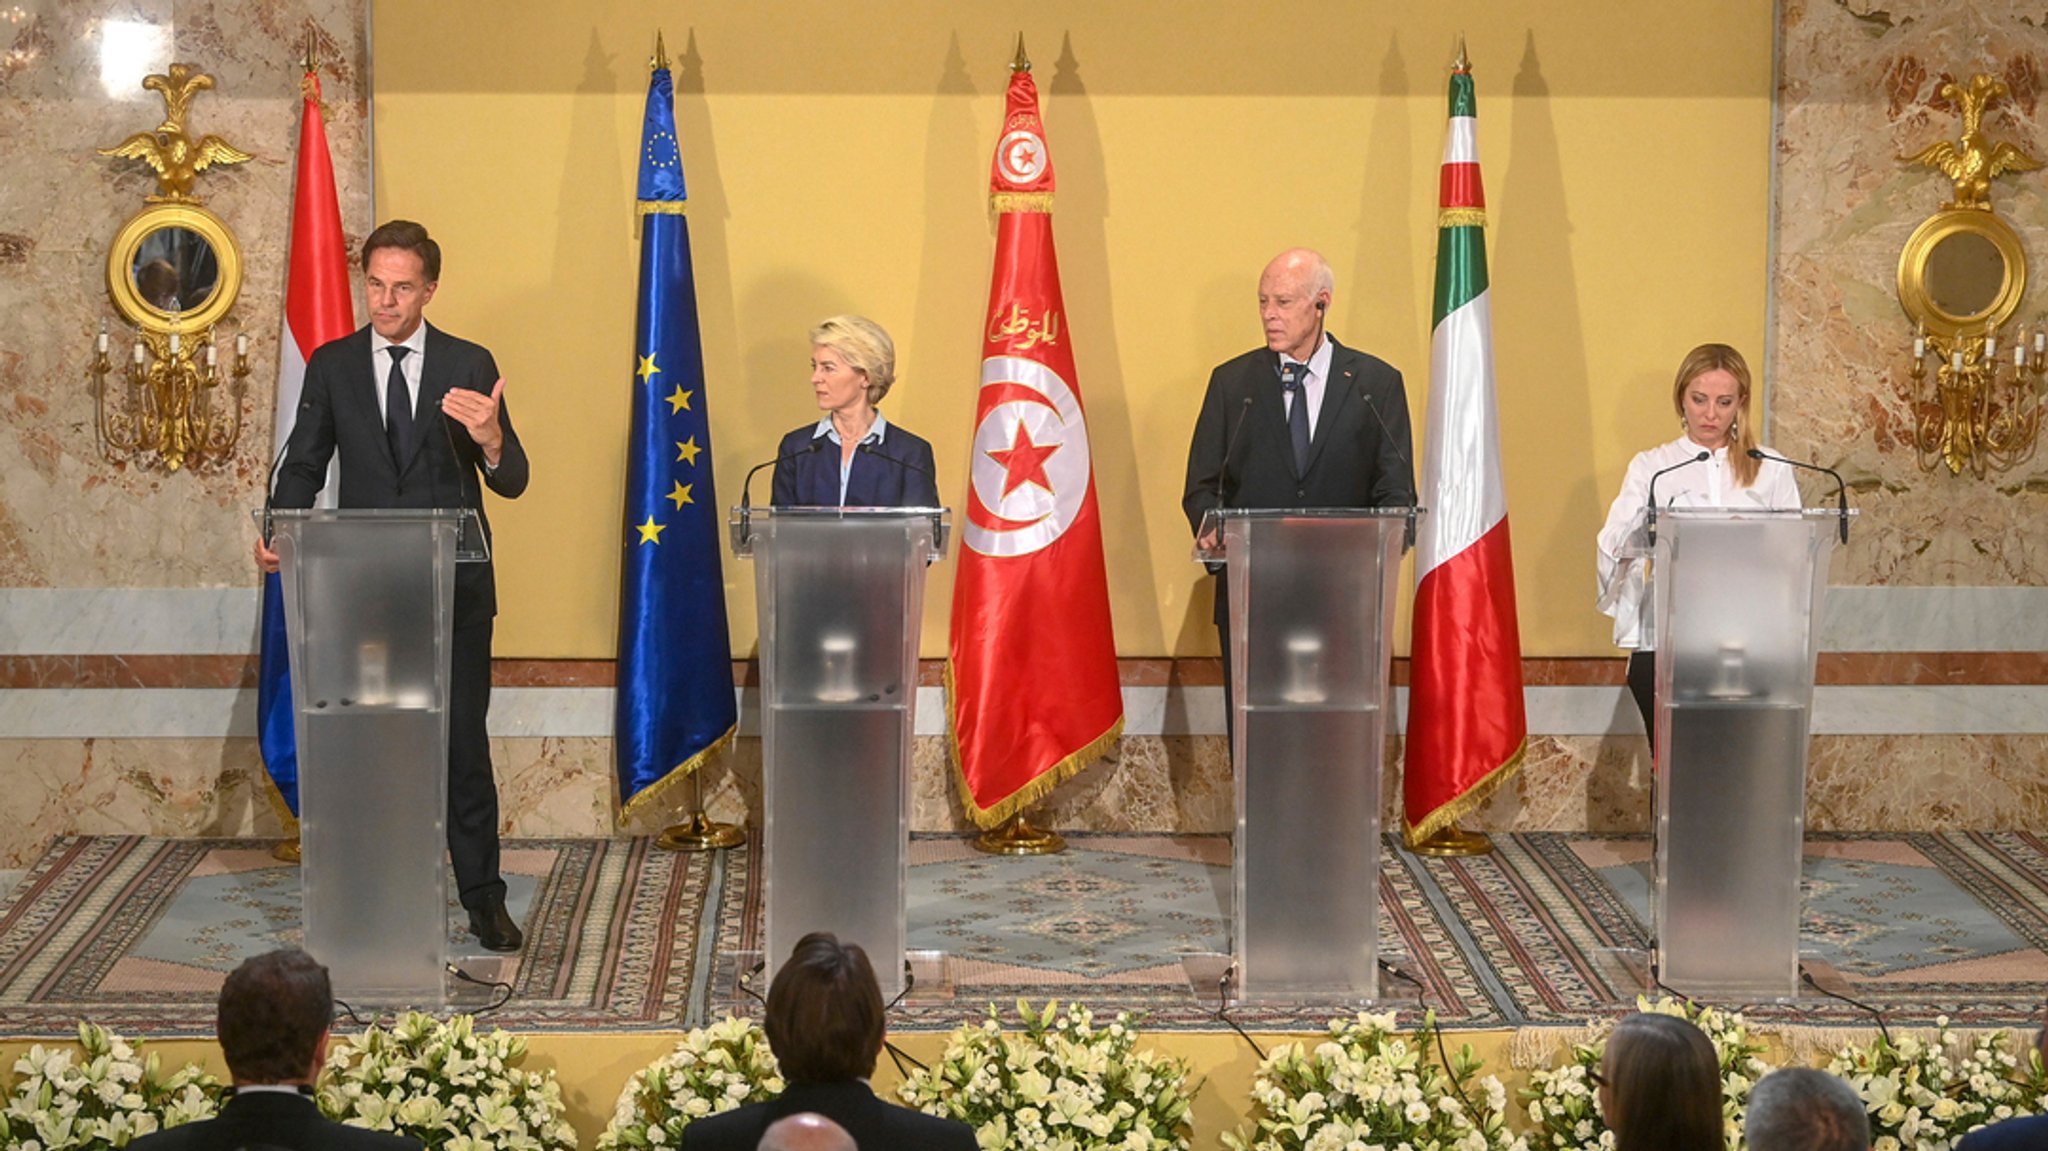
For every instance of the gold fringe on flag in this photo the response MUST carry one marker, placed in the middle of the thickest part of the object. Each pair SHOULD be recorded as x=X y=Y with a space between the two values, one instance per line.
x=1012 y=804
x=1021 y=201
x=682 y=771
x=1461 y=218
x=1457 y=809
x=661 y=207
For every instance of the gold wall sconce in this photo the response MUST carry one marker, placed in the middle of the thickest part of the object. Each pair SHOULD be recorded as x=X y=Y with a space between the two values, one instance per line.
x=1962 y=276
x=174 y=271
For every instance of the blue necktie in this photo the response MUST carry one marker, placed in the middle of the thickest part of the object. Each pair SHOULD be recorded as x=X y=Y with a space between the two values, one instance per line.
x=1294 y=381
x=398 y=409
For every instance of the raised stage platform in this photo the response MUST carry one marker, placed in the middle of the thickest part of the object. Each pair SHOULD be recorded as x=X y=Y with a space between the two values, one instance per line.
x=628 y=944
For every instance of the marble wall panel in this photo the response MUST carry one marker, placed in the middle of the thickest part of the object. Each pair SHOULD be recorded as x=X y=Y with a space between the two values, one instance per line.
x=1859 y=86
x=558 y=787
x=69 y=518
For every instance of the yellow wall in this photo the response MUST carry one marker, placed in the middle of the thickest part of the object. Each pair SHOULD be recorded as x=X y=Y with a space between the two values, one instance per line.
x=837 y=158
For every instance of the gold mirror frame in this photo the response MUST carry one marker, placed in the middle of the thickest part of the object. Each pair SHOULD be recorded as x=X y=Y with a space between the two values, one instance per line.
x=127 y=294
x=1918 y=298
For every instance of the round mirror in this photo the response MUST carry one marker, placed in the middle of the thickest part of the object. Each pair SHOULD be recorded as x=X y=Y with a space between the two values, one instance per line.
x=1964 y=273
x=174 y=266
x=175 y=270
x=1962 y=269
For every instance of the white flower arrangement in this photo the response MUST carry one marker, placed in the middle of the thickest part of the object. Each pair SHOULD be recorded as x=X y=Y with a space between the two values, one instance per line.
x=1564 y=1110
x=1367 y=1086
x=446 y=1086
x=98 y=1095
x=1061 y=1084
x=713 y=1069
x=1924 y=1094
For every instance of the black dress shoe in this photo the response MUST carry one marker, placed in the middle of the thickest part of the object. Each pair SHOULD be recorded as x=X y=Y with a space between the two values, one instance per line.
x=494 y=927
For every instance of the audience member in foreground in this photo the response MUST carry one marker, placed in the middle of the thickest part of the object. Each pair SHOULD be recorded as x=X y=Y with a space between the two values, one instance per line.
x=824 y=1023
x=1660 y=1086
x=2029 y=1133
x=273 y=1020
x=1805 y=1109
x=807 y=1131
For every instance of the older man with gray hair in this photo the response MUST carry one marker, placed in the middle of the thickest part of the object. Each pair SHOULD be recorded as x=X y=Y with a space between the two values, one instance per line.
x=1805 y=1109
x=806 y=1131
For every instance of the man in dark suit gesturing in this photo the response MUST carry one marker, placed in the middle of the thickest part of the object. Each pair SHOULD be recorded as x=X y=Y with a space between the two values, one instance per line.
x=1303 y=422
x=418 y=416
x=273 y=1020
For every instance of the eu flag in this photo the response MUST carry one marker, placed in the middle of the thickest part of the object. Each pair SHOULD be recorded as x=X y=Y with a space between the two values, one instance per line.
x=676 y=704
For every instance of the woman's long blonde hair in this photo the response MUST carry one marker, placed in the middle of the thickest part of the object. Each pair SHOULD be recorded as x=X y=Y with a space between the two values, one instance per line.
x=1722 y=358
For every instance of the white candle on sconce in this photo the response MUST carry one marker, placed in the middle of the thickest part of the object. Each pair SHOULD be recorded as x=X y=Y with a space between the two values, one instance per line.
x=103 y=338
x=1955 y=362
x=209 y=353
x=1990 y=342
x=2040 y=340
x=2019 y=349
x=1919 y=345
x=138 y=353
x=174 y=343
x=241 y=345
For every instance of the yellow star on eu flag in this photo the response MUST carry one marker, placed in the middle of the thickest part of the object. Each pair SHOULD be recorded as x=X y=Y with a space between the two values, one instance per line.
x=681 y=495
x=650 y=532
x=679 y=400
x=646 y=370
x=686 y=452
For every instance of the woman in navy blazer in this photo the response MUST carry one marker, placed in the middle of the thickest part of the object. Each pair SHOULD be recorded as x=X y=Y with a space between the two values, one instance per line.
x=853 y=457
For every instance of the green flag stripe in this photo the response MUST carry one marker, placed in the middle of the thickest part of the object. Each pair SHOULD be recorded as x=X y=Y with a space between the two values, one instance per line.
x=1463 y=102
x=1460 y=269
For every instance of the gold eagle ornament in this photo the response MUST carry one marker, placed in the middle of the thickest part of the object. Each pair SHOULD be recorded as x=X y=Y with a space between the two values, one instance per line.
x=1971 y=161
x=174 y=155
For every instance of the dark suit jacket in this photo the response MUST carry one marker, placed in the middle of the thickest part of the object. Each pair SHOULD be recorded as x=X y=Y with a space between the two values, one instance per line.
x=875 y=1125
x=1360 y=456
x=342 y=409
x=2029 y=1134
x=267 y=1119
x=896 y=473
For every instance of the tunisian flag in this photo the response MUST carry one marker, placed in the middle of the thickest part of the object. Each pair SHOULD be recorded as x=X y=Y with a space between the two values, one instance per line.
x=1467 y=729
x=317 y=308
x=1032 y=680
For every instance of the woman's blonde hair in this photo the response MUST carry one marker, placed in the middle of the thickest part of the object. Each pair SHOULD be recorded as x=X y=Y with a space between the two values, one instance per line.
x=1722 y=358
x=867 y=348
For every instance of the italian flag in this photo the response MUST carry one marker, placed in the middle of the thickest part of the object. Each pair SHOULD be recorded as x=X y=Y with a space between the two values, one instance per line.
x=1467 y=730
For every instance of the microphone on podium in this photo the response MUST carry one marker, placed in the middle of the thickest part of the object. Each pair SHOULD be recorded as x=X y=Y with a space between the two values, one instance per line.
x=1841 y=489
x=1650 y=521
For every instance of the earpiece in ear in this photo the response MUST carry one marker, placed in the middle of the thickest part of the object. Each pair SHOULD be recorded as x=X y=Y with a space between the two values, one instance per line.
x=1320 y=305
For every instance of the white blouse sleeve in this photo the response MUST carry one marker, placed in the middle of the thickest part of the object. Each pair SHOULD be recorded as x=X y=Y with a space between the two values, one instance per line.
x=1620 y=579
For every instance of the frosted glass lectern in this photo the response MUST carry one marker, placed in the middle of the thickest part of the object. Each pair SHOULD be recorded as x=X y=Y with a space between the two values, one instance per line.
x=1738 y=598
x=1311 y=616
x=840 y=592
x=369 y=600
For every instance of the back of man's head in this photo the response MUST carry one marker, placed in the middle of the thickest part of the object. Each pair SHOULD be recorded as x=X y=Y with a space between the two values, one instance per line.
x=805 y=1131
x=274 y=1009
x=824 y=1017
x=1805 y=1109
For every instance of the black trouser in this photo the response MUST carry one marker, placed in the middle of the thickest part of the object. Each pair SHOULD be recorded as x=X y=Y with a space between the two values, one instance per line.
x=1642 y=683
x=472 y=790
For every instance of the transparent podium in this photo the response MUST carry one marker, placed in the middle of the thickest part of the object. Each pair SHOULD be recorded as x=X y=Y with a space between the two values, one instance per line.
x=840 y=592
x=1738 y=598
x=1311 y=617
x=369 y=598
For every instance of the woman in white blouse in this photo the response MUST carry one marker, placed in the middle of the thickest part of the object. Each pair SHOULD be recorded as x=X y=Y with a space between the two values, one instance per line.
x=1711 y=396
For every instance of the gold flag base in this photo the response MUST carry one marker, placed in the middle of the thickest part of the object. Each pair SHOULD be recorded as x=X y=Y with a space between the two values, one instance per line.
x=1454 y=841
x=700 y=833
x=1016 y=836
x=287 y=851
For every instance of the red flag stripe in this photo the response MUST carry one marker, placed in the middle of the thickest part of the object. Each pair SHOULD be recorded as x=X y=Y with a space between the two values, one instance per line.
x=1460 y=187
x=1465 y=704
x=317 y=301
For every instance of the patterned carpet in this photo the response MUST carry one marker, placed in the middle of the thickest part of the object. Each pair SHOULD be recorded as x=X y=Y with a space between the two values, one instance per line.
x=137 y=933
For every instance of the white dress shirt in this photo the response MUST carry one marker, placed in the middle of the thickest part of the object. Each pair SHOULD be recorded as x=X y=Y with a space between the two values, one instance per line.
x=1625 y=588
x=380 y=369
x=1313 y=386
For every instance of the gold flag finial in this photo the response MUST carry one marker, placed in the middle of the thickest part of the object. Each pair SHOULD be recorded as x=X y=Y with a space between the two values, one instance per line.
x=1022 y=63
x=1462 y=63
x=312 y=60
x=660 y=61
